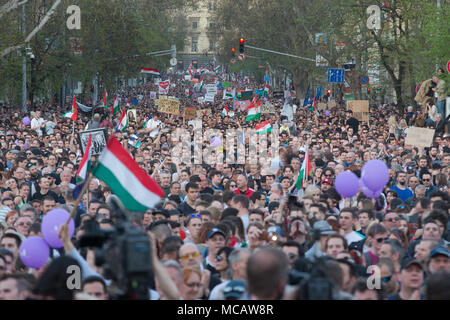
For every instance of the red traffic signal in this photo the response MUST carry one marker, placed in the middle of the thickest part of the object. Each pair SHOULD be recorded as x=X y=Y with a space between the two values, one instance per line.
x=241 y=45
x=368 y=90
x=328 y=92
x=233 y=49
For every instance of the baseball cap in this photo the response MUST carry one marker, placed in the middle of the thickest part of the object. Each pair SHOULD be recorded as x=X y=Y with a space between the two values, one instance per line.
x=14 y=151
x=234 y=289
x=407 y=262
x=439 y=251
x=213 y=231
x=162 y=211
x=271 y=230
x=323 y=227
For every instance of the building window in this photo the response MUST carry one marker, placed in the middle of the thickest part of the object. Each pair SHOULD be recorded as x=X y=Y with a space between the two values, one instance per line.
x=212 y=45
x=194 y=25
x=194 y=45
x=210 y=6
x=212 y=24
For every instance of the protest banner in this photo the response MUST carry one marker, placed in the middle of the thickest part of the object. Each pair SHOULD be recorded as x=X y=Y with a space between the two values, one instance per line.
x=132 y=115
x=360 y=109
x=190 y=112
x=267 y=108
x=169 y=106
x=211 y=88
x=278 y=94
x=419 y=137
x=209 y=97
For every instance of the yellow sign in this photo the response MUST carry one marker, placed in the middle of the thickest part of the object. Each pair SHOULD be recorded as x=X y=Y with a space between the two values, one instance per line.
x=267 y=108
x=190 y=112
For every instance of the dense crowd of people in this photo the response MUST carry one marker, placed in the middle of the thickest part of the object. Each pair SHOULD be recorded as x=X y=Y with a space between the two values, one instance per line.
x=228 y=231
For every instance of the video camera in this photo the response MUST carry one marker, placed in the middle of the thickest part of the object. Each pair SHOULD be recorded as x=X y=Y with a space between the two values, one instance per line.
x=124 y=252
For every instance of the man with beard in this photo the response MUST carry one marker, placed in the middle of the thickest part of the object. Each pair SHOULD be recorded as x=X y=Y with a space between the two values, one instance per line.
x=402 y=190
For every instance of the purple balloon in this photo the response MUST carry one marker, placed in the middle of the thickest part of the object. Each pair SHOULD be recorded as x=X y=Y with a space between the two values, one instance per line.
x=34 y=252
x=26 y=121
x=126 y=100
x=369 y=193
x=346 y=184
x=265 y=99
x=327 y=113
x=51 y=224
x=215 y=142
x=375 y=175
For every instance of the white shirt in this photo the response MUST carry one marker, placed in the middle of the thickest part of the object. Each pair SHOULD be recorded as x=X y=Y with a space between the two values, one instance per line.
x=353 y=237
x=151 y=124
x=37 y=122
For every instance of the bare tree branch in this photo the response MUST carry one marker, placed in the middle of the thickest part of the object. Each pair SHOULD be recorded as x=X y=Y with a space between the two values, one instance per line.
x=11 y=5
x=32 y=33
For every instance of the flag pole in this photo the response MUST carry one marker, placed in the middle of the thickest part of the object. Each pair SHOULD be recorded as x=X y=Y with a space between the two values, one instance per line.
x=77 y=203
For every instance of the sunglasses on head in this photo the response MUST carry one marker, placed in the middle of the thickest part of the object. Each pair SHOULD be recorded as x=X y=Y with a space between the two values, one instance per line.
x=195 y=216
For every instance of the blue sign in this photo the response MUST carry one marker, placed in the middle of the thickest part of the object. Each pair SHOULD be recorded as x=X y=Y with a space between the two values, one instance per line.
x=364 y=79
x=336 y=75
x=266 y=78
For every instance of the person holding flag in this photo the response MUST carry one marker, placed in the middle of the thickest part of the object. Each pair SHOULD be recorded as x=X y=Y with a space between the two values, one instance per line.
x=152 y=126
x=305 y=172
x=73 y=113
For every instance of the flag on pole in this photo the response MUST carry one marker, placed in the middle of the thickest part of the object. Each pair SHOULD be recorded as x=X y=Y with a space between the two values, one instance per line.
x=306 y=101
x=217 y=68
x=304 y=173
x=105 y=99
x=73 y=113
x=85 y=164
x=150 y=71
x=225 y=111
x=123 y=122
x=227 y=94
x=134 y=187
x=254 y=110
x=263 y=127
x=266 y=90
x=115 y=107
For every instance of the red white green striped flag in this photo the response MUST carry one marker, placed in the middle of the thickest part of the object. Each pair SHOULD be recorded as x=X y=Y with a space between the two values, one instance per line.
x=115 y=107
x=105 y=99
x=263 y=127
x=73 y=113
x=133 y=186
x=254 y=110
x=85 y=164
x=266 y=90
x=123 y=122
x=304 y=173
x=217 y=68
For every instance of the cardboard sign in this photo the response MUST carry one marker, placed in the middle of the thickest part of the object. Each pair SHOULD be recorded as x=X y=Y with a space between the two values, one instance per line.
x=190 y=112
x=321 y=106
x=267 y=108
x=132 y=115
x=205 y=112
x=360 y=109
x=278 y=94
x=419 y=137
x=169 y=106
x=331 y=104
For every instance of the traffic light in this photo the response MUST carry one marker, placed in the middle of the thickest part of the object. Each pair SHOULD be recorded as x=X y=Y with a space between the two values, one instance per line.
x=241 y=45
x=92 y=88
x=328 y=92
x=368 y=90
x=233 y=50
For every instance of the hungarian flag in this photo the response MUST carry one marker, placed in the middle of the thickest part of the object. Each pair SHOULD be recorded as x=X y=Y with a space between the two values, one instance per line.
x=266 y=90
x=105 y=99
x=137 y=191
x=150 y=70
x=227 y=94
x=254 y=110
x=190 y=69
x=263 y=127
x=217 y=68
x=145 y=121
x=304 y=173
x=73 y=113
x=85 y=164
x=123 y=122
x=226 y=112
x=115 y=107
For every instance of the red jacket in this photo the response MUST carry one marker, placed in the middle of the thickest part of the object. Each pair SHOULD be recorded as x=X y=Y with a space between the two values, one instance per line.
x=248 y=193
